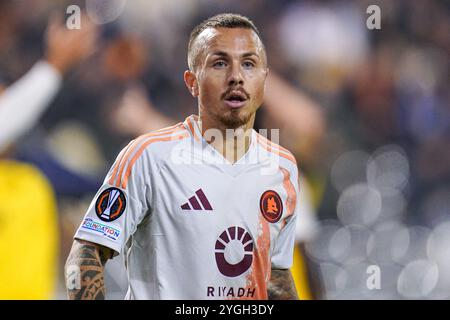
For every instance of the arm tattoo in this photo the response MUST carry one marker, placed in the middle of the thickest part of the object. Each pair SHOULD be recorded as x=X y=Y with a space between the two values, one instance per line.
x=282 y=286
x=85 y=271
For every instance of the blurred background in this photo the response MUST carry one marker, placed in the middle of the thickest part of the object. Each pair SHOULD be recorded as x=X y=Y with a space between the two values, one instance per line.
x=365 y=112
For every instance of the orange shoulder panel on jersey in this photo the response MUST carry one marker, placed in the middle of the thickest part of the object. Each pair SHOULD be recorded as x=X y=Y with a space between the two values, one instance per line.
x=189 y=123
x=129 y=156
x=128 y=149
x=275 y=148
x=118 y=161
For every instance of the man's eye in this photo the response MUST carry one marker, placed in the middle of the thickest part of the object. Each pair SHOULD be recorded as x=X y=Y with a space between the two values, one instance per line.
x=219 y=64
x=248 y=64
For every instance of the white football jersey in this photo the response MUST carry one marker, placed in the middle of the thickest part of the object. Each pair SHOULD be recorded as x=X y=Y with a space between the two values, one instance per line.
x=191 y=224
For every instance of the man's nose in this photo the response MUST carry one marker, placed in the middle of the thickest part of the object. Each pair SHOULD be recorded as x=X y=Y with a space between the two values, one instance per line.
x=235 y=77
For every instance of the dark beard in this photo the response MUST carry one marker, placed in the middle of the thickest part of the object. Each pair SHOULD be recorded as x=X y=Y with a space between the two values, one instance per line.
x=233 y=120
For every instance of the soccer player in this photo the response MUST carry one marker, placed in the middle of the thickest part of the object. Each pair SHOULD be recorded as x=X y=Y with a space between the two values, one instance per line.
x=199 y=213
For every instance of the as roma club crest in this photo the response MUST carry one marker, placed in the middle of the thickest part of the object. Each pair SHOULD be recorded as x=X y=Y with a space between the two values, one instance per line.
x=271 y=206
x=110 y=204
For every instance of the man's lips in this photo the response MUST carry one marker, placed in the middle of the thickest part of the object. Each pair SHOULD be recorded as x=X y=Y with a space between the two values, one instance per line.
x=234 y=104
x=236 y=99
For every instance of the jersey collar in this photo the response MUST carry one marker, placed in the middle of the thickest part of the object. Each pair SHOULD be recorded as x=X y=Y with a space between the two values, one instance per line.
x=191 y=124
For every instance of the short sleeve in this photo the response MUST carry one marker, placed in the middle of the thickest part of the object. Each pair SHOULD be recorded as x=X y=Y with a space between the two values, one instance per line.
x=284 y=247
x=121 y=203
x=283 y=251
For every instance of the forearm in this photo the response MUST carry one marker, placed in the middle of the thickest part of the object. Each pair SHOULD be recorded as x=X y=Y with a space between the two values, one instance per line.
x=282 y=286
x=84 y=272
x=23 y=102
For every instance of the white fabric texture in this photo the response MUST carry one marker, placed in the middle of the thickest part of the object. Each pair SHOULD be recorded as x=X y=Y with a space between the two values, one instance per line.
x=22 y=103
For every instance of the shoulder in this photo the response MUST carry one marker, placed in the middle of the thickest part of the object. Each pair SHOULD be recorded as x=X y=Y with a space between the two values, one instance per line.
x=147 y=150
x=156 y=143
x=285 y=157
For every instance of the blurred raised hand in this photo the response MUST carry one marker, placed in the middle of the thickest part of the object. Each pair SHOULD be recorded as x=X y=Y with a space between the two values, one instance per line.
x=23 y=102
x=66 y=47
x=301 y=118
x=136 y=115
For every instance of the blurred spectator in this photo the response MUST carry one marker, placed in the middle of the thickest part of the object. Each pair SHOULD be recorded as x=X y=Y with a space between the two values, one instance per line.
x=29 y=241
x=29 y=233
x=22 y=103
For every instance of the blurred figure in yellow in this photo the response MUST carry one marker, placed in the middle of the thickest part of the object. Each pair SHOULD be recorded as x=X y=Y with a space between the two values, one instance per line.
x=307 y=282
x=28 y=233
x=29 y=237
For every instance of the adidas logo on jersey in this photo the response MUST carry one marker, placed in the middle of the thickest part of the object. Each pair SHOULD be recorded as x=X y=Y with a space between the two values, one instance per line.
x=197 y=202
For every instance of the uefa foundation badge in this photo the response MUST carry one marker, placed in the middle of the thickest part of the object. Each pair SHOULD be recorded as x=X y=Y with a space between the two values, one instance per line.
x=110 y=204
x=271 y=206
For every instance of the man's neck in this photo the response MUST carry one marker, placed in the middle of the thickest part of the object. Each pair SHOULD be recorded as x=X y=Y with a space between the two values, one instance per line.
x=231 y=143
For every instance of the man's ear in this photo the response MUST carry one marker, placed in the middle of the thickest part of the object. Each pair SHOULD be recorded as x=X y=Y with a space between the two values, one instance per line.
x=191 y=83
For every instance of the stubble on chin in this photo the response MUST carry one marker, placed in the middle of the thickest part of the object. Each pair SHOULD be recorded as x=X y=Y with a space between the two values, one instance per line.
x=234 y=118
